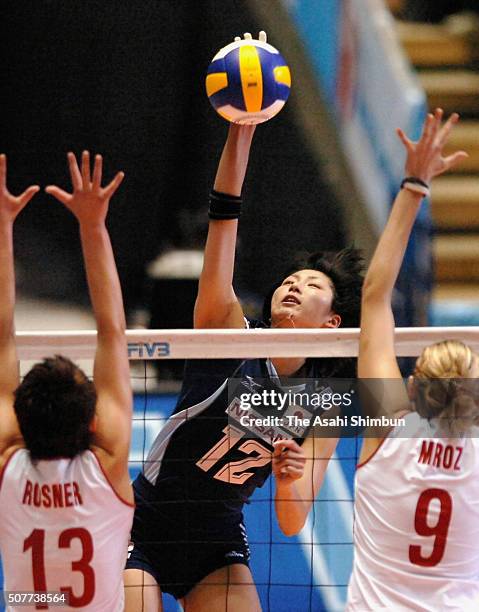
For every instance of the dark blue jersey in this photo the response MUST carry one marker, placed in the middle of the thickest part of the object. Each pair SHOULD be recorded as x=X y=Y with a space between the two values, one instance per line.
x=205 y=462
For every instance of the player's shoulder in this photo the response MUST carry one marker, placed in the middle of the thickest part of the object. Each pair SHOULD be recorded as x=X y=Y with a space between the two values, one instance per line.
x=8 y=454
x=113 y=474
x=202 y=378
x=411 y=425
x=206 y=375
x=17 y=451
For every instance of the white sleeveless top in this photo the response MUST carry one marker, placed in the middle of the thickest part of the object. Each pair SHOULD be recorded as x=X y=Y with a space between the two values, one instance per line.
x=416 y=530
x=63 y=528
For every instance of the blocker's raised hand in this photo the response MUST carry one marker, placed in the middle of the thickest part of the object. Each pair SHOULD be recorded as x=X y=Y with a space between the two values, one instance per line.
x=89 y=200
x=11 y=205
x=425 y=158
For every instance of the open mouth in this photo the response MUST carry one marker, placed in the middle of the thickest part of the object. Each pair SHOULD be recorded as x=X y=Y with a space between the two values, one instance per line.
x=291 y=299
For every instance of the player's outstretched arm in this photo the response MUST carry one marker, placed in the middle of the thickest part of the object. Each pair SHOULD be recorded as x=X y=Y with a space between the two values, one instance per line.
x=89 y=203
x=425 y=160
x=299 y=473
x=216 y=303
x=10 y=206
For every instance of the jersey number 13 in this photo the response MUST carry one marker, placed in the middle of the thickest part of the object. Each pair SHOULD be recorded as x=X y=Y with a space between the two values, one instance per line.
x=36 y=542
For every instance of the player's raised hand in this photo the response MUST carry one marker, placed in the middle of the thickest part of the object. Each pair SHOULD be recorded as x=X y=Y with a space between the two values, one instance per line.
x=425 y=158
x=262 y=37
x=288 y=461
x=89 y=200
x=11 y=205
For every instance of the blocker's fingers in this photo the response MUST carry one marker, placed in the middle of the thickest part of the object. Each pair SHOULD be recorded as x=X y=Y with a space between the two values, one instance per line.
x=237 y=38
x=262 y=36
x=446 y=129
x=28 y=194
x=85 y=168
x=436 y=126
x=74 y=171
x=3 y=170
x=247 y=36
x=438 y=114
x=97 y=169
x=58 y=193
x=454 y=159
x=114 y=184
x=405 y=140
x=427 y=128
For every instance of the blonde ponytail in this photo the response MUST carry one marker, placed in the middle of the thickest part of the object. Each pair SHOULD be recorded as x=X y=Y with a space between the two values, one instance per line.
x=445 y=387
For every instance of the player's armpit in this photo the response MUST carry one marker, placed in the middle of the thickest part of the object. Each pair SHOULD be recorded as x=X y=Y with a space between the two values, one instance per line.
x=114 y=408
x=219 y=315
x=111 y=441
x=216 y=303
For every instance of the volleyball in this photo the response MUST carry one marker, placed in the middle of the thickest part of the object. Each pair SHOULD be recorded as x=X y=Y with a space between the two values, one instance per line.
x=248 y=81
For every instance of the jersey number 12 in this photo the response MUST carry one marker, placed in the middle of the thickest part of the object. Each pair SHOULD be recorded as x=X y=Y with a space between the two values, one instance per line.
x=235 y=472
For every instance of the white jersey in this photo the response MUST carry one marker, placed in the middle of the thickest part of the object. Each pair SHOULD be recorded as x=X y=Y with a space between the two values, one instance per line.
x=416 y=530
x=63 y=528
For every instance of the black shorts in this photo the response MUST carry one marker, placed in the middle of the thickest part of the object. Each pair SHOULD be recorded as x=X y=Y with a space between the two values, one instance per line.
x=179 y=554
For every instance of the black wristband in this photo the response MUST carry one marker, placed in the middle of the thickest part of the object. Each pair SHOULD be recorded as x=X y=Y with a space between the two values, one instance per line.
x=224 y=206
x=416 y=185
x=415 y=181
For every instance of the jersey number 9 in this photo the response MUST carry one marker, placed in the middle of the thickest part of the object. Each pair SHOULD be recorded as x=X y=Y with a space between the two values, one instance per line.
x=438 y=530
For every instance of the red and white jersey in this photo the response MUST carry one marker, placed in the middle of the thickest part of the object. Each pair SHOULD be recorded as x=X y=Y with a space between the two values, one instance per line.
x=416 y=530
x=63 y=528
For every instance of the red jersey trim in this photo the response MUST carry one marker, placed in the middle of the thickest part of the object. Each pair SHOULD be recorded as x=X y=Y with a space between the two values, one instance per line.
x=359 y=465
x=123 y=501
x=2 y=472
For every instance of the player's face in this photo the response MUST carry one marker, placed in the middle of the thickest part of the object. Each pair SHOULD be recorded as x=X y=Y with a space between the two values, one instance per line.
x=304 y=299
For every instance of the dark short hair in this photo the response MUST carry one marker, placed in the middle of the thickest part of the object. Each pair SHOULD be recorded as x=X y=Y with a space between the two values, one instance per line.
x=55 y=404
x=345 y=269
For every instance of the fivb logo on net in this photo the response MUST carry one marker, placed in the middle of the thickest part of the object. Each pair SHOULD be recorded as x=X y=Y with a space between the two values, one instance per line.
x=148 y=350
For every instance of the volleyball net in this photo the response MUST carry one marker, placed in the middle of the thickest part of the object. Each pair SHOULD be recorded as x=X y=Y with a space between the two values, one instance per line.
x=233 y=343
x=307 y=572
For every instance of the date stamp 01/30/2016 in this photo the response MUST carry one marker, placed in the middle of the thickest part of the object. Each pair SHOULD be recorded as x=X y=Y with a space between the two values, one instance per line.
x=39 y=599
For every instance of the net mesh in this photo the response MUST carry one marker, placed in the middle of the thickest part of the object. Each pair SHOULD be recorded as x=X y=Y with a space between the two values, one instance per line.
x=308 y=572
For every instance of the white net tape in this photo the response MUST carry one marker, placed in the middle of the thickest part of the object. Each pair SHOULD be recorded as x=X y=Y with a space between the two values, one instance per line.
x=232 y=343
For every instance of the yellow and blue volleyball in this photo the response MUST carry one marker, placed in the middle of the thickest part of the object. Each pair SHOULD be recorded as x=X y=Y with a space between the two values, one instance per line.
x=248 y=82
